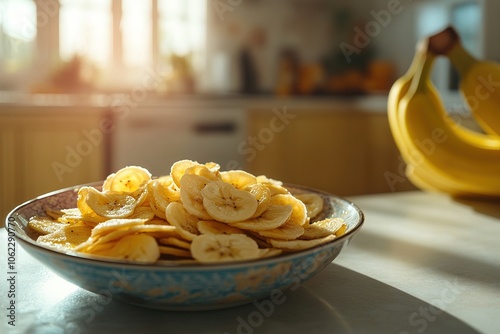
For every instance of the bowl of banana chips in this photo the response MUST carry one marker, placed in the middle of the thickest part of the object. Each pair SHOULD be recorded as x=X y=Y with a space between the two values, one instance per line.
x=196 y=239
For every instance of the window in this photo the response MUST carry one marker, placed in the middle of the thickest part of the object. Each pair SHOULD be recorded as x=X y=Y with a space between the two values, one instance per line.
x=85 y=29
x=17 y=38
x=120 y=38
x=137 y=31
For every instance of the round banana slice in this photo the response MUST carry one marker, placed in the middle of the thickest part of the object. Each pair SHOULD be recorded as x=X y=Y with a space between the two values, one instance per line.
x=167 y=250
x=85 y=211
x=238 y=178
x=127 y=180
x=98 y=248
x=175 y=242
x=142 y=212
x=269 y=252
x=54 y=214
x=73 y=216
x=153 y=228
x=141 y=195
x=287 y=231
x=45 y=225
x=96 y=241
x=161 y=196
x=165 y=230
x=203 y=170
x=135 y=247
x=263 y=196
x=110 y=205
x=215 y=227
x=116 y=224
x=185 y=223
x=226 y=203
x=259 y=239
x=212 y=166
x=156 y=208
x=179 y=168
x=314 y=203
x=341 y=231
x=273 y=217
x=210 y=248
x=296 y=245
x=191 y=198
x=66 y=237
x=167 y=181
x=299 y=213
x=323 y=228
x=275 y=186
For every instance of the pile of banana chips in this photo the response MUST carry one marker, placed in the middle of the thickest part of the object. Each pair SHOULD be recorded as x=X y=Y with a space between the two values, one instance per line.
x=196 y=214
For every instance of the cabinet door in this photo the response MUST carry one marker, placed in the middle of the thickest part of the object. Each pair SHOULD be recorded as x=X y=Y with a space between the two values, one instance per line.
x=347 y=152
x=386 y=171
x=318 y=149
x=47 y=150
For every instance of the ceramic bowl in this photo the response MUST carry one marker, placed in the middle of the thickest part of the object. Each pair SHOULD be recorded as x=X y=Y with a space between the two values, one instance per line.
x=184 y=286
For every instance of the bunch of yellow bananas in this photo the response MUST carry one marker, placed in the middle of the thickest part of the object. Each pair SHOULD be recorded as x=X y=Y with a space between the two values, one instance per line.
x=442 y=155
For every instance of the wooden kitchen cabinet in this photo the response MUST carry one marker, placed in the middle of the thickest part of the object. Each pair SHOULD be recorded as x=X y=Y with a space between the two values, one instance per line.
x=343 y=152
x=47 y=149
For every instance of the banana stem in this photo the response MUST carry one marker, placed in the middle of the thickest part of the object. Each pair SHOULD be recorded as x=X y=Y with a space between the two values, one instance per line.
x=442 y=42
x=461 y=59
x=423 y=73
x=447 y=43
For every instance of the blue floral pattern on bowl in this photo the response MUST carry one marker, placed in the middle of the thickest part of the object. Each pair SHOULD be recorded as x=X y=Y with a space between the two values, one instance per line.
x=185 y=286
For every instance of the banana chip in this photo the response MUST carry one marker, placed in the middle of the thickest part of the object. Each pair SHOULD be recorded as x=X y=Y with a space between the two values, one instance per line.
x=324 y=228
x=210 y=248
x=263 y=196
x=226 y=203
x=110 y=205
x=45 y=225
x=179 y=168
x=185 y=223
x=238 y=178
x=66 y=237
x=116 y=224
x=215 y=227
x=191 y=197
x=209 y=170
x=135 y=247
x=299 y=210
x=176 y=242
x=273 y=217
x=275 y=186
x=127 y=180
x=178 y=252
x=313 y=202
x=296 y=245
x=287 y=231
x=162 y=194
x=270 y=252
x=195 y=214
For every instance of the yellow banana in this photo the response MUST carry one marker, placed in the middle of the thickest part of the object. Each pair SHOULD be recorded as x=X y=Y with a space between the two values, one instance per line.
x=479 y=80
x=441 y=155
x=397 y=92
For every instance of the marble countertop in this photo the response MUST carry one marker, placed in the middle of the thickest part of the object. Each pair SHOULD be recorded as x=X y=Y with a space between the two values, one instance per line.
x=422 y=263
x=142 y=99
x=370 y=103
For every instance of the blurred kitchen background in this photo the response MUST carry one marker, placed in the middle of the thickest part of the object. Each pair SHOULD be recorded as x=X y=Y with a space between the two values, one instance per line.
x=293 y=89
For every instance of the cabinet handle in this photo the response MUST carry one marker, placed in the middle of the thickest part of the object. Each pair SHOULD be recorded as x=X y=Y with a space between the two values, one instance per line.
x=215 y=128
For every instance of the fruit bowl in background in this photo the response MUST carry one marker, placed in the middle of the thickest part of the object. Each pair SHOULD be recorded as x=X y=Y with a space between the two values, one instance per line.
x=184 y=286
